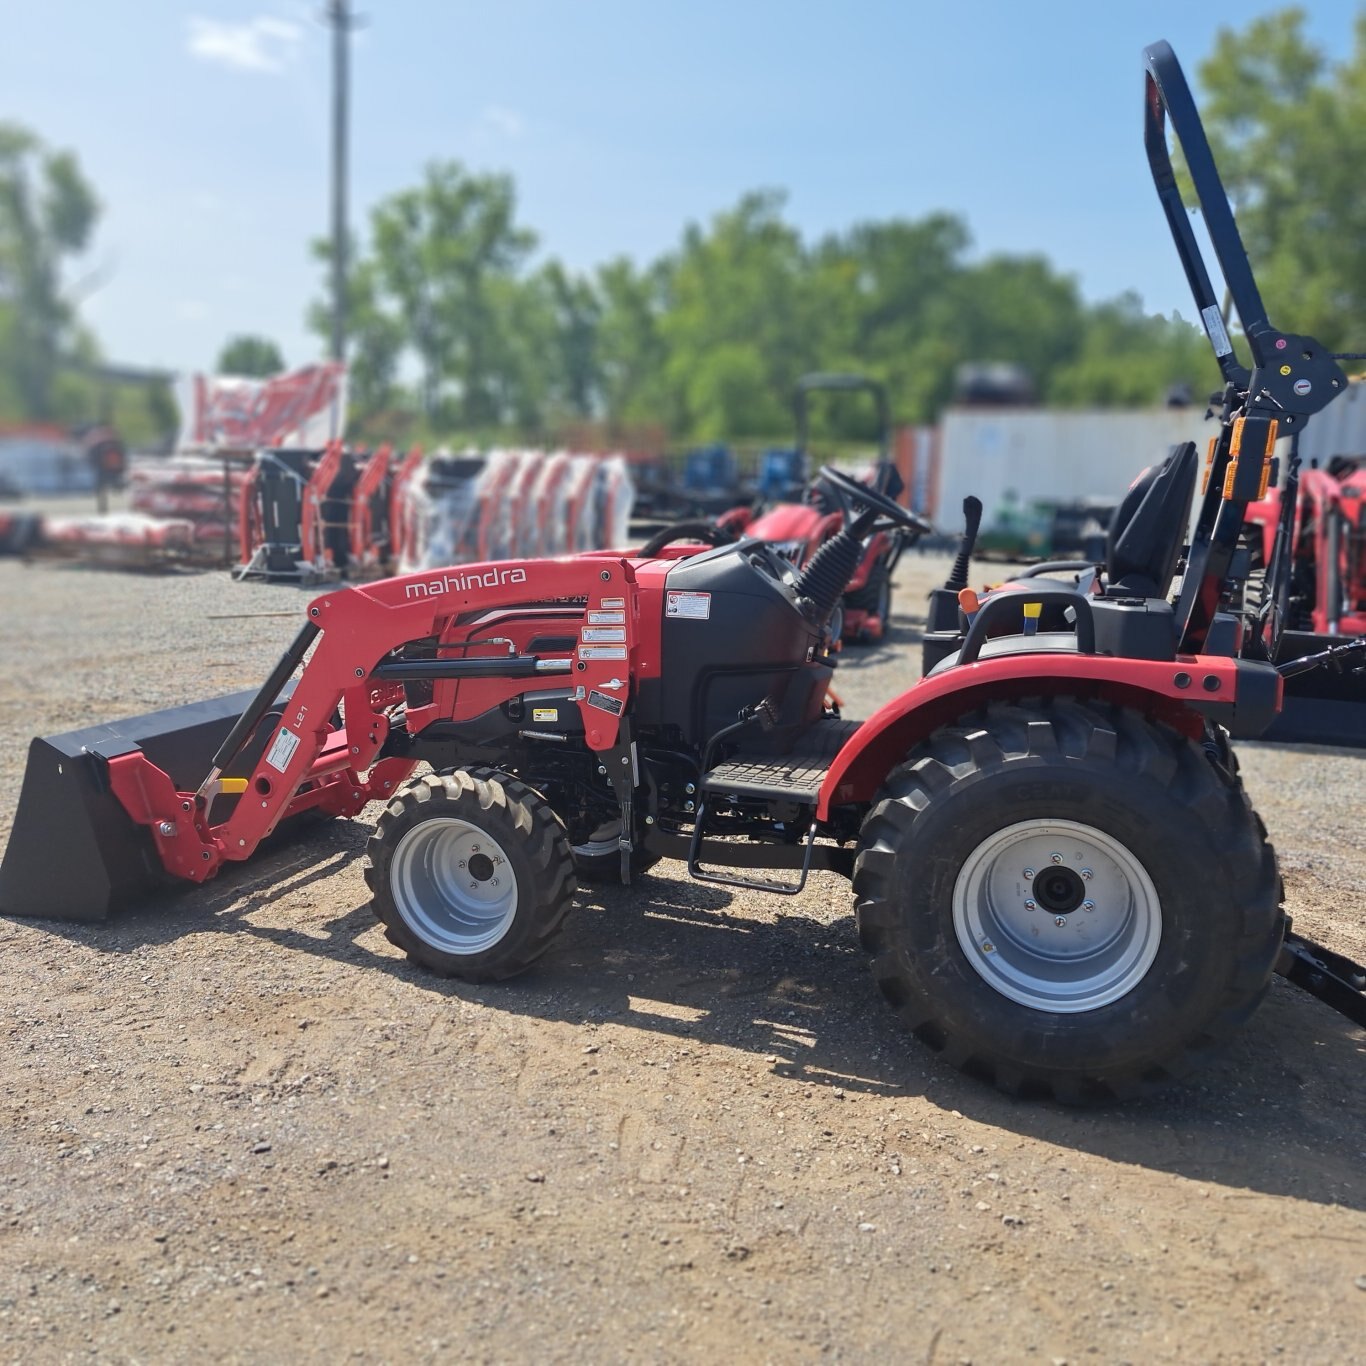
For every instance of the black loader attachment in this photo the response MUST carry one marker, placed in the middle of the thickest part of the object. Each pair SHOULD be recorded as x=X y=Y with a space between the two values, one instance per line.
x=74 y=852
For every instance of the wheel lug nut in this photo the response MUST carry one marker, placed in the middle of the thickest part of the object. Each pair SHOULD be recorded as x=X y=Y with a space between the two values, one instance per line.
x=1087 y=874
x=461 y=864
x=1056 y=858
x=988 y=946
x=474 y=849
x=1088 y=905
x=1029 y=903
x=495 y=881
x=1028 y=873
x=1060 y=920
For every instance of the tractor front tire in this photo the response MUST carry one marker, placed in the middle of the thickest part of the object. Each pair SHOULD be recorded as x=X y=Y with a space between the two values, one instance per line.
x=471 y=874
x=1067 y=899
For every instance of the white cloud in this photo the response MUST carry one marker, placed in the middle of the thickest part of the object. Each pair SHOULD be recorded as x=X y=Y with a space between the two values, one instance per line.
x=263 y=44
x=507 y=123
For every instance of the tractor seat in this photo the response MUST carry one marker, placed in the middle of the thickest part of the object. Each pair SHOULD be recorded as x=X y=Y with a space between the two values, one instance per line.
x=1148 y=528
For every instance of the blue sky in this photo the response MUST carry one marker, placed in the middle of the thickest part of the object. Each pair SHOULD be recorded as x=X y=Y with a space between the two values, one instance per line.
x=204 y=127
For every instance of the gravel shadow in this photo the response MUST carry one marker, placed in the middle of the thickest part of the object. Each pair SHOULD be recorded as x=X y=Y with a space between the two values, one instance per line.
x=672 y=959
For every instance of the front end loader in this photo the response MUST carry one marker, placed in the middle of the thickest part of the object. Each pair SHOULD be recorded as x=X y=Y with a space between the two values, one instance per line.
x=1056 y=871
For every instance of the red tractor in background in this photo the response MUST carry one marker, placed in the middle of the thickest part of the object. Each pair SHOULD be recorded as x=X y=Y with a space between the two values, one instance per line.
x=797 y=530
x=1327 y=543
x=1306 y=543
x=1059 y=877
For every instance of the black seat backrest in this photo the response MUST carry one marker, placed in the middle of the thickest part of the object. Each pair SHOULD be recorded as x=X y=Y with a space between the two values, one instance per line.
x=1149 y=527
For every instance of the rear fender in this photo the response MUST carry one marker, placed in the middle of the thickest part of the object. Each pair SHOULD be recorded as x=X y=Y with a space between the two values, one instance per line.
x=1243 y=695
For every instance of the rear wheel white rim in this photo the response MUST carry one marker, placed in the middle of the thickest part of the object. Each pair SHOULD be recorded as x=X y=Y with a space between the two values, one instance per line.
x=1057 y=916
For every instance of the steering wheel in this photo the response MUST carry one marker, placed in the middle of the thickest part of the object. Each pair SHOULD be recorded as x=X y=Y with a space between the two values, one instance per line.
x=707 y=532
x=853 y=491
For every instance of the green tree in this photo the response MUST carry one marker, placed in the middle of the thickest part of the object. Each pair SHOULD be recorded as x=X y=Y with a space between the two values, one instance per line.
x=47 y=214
x=254 y=357
x=574 y=311
x=631 y=350
x=440 y=251
x=1130 y=358
x=739 y=298
x=1288 y=131
x=376 y=336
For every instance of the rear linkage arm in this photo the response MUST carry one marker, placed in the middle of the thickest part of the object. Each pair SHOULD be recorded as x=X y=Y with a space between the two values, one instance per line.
x=1335 y=980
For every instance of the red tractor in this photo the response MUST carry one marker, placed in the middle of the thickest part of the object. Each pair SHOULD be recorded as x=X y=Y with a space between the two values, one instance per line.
x=798 y=530
x=1308 y=539
x=1056 y=872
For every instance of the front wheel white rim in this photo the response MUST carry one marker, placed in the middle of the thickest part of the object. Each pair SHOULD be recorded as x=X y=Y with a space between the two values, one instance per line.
x=453 y=885
x=1057 y=916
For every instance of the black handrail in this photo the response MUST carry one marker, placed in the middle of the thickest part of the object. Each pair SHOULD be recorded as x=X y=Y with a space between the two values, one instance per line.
x=1006 y=601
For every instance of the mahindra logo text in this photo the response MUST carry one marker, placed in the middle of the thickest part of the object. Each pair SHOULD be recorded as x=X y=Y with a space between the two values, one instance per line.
x=462 y=583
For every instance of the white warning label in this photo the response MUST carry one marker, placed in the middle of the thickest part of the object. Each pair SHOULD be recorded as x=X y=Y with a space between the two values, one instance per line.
x=596 y=635
x=1218 y=333
x=282 y=749
x=695 y=606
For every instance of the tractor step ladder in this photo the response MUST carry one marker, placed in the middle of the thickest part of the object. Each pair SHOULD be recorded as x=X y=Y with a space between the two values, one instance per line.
x=792 y=778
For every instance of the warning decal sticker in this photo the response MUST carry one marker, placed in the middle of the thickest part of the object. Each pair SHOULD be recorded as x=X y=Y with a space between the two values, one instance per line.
x=1218 y=333
x=282 y=749
x=605 y=703
x=694 y=606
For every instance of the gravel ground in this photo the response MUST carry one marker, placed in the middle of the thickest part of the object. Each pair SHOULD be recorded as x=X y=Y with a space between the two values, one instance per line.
x=238 y=1126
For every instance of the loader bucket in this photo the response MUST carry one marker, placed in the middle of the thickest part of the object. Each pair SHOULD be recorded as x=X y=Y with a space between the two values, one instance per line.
x=73 y=852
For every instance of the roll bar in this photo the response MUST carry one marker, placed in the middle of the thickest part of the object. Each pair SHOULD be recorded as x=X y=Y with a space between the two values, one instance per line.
x=1292 y=377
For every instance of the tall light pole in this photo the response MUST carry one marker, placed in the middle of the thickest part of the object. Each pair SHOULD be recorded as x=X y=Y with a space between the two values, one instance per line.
x=341 y=21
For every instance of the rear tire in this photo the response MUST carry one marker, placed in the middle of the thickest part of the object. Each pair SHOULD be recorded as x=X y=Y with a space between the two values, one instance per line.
x=471 y=874
x=1165 y=887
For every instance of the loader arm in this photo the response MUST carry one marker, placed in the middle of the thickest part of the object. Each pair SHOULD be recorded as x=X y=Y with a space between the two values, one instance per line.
x=326 y=748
